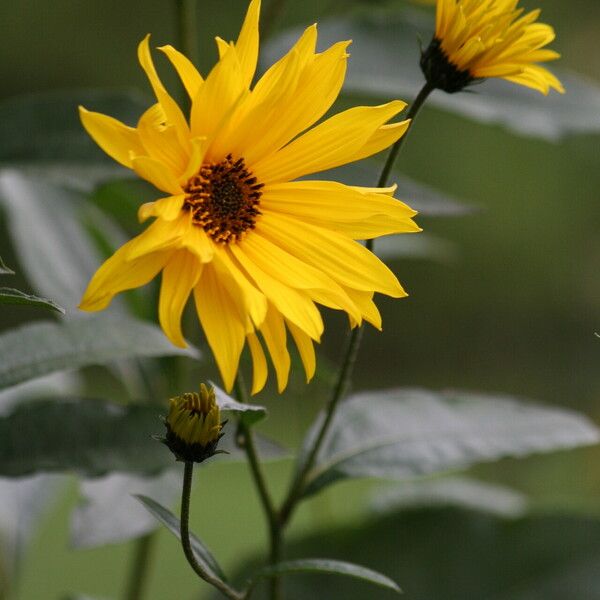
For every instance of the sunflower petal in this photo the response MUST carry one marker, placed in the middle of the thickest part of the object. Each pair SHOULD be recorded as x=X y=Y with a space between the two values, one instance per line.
x=118 y=274
x=306 y=350
x=116 y=139
x=330 y=144
x=179 y=277
x=222 y=324
x=259 y=363
x=273 y=332
x=189 y=75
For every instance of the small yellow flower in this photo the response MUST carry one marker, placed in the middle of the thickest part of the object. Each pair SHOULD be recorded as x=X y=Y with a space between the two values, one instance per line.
x=256 y=247
x=477 y=39
x=194 y=425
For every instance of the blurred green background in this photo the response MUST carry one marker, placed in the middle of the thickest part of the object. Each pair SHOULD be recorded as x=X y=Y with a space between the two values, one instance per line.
x=513 y=309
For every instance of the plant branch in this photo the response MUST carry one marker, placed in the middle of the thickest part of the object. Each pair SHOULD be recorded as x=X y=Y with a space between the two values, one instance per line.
x=297 y=488
x=269 y=509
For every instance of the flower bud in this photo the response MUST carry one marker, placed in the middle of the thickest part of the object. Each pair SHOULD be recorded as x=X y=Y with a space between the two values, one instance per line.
x=194 y=426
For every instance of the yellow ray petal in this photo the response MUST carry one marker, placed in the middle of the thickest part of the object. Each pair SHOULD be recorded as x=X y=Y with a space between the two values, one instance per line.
x=165 y=208
x=370 y=312
x=346 y=261
x=157 y=173
x=332 y=202
x=160 y=235
x=259 y=363
x=305 y=349
x=223 y=327
x=383 y=138
x=161 y=141
x=247 y=43
x=273 y=332
x=240 y=287
x=189 y=75
x=172 y=111
x=217 y=97
x=294 y=272
x=118 y=274
x=294 y=305
x=180 y=275
x=116 y=139
x=316 y=86
x=197 y=242
x=330 y=144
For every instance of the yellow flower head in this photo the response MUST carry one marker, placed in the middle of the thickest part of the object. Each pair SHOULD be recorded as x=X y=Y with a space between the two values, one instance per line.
x=477 y=39
x=255 y=247
x=194 y=425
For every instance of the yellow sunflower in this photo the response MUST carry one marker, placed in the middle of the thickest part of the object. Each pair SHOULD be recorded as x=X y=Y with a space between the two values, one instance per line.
x=255 y=247
x=477 y=39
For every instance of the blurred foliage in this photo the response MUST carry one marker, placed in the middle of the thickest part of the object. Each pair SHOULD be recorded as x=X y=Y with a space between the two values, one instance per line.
x=514 y=310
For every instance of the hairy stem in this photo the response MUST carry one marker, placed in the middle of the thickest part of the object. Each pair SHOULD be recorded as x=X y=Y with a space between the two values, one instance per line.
x=186 y=543
x=271 y=514
x=351 y=354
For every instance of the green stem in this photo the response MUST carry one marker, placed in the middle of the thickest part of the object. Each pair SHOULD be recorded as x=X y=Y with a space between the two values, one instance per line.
x=140 y=567
x=271 y=514
x=272 y=13
x=186 y=28
x=297 y=488
x=186 y=543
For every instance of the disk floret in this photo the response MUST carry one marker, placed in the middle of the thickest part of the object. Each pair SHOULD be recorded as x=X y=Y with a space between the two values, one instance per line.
x=223 y=198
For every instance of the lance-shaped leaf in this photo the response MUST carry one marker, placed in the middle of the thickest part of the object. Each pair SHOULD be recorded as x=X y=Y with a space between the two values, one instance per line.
x=250 y=413
x=93 y=437
x=107 y=512
x=325 y=566
x=403 y=433
x=385 y=64
x=45 y=347
x=171 y=522
x=54 y=117
x=4 y=270
x=55 y=252
x=458 y=554
x=17 y=297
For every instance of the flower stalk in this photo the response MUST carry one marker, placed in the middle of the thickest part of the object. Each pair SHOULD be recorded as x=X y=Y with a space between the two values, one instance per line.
x=345 y=373
x=186 y=543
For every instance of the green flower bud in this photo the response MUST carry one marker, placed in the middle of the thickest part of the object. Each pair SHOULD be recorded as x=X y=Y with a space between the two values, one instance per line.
x=194 y=426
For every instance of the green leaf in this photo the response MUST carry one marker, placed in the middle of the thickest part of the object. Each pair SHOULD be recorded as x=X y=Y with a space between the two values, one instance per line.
x=45 y=347
x=12 y=296
x=249 y=413
x=329 y=567
x=54 y=250
x=52 y=120
x=93 y=437
x=23 y=504
x=421 y=246
x=462 y=492
x=390 y=41
x=4 y=270
x=107 y=512
x=404 y=433
x=171 y=522
x=456 y=554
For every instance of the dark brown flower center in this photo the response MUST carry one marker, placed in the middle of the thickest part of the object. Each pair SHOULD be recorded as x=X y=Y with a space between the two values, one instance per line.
x=223 y=198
